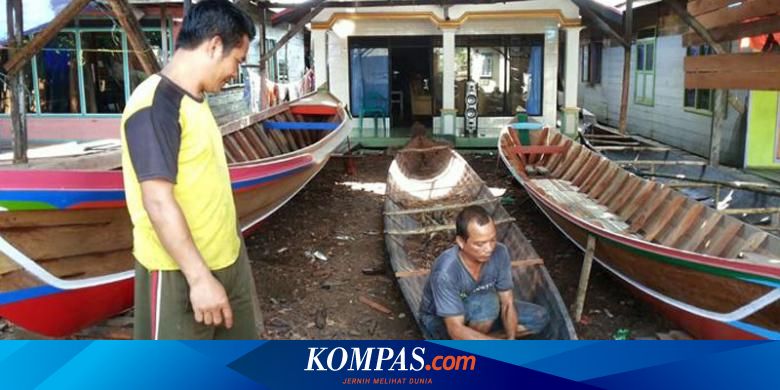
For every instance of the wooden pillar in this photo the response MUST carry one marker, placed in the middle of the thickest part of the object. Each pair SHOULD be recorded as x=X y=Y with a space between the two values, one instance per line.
x=124 y=14
x=263 y=64
x=16 y=83
x=164 y=34
x=628 y=32
x=582 y=288
x=718 y=123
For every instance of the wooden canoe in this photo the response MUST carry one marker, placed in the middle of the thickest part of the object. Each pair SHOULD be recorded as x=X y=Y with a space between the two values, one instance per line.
x=714 y=275
x=426 y=187
x=66 y=237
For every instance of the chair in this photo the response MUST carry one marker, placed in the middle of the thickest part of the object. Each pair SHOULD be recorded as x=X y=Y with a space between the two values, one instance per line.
x=374 y=105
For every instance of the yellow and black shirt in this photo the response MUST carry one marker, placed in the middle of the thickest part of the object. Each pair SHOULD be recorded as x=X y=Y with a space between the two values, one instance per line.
x=170 y=135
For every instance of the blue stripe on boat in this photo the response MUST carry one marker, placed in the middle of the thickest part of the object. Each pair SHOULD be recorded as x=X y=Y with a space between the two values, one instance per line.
x=301 y=125
x=757 y=330
x=27 y=293
x=62 y=199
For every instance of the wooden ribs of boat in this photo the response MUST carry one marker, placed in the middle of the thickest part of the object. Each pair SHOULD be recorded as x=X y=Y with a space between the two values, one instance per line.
x=427 y=186
x=715 y=275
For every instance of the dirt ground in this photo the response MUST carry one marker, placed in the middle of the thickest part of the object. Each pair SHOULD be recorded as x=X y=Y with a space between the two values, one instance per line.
x=340 y=216
x=320 y=261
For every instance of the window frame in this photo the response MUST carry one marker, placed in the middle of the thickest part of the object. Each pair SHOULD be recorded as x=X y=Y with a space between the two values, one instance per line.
x=707 y=50
x=644 y=100
x=77 y=30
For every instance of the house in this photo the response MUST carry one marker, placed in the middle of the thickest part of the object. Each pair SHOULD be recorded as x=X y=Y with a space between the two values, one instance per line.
x=661 y=105
x=77 y=85
x=436 y=64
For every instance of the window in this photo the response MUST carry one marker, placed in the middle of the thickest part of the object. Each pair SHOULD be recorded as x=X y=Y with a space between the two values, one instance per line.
x=58 y=79
x=86 y=69
x=283 y=66
x=491 y=77
x=487 y=66
x=700 y=100
x=103 y=71
x=585 y=63
x=507 y=69
x=369 y=81
x=272 y=67
x=644 y=87
x=29 y=92
x=591 y=63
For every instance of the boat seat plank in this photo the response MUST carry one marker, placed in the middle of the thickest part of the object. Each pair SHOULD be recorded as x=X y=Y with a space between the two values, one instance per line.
x=313 y=109
x=322 y=126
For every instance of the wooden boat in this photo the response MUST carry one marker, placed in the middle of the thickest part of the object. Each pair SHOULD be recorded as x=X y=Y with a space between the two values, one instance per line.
x=65 y=234
x=714 y=275
x=426 y=187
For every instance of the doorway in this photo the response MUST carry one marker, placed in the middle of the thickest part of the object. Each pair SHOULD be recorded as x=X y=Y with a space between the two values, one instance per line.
x=411 y=87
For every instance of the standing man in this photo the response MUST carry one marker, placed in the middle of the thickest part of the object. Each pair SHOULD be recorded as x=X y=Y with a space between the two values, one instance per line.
x=470 y=287
x=192 y=275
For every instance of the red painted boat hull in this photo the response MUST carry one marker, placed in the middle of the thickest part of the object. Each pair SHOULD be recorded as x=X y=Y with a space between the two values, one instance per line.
x=63 y=313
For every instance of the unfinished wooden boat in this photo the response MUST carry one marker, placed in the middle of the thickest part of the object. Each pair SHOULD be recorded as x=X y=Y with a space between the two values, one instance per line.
x=427 y=186
x=66 y=237
x=714 y=275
